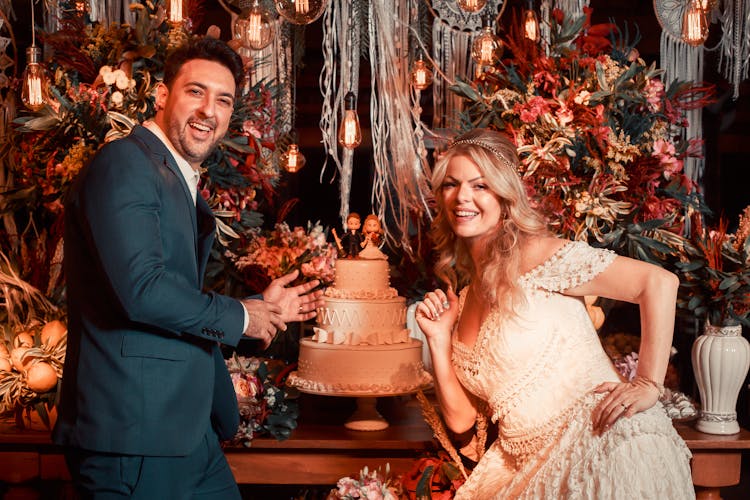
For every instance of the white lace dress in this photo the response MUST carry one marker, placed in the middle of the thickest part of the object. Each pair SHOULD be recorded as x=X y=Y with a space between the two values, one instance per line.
x=536 y=372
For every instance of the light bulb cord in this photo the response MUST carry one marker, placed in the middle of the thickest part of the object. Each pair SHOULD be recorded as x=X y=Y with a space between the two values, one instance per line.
x=33 y=24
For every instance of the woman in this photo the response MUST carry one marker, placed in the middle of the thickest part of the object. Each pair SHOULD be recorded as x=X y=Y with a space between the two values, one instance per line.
x=518 y=343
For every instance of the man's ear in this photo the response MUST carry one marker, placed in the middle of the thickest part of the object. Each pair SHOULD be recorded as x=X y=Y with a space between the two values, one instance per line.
x=162 y=92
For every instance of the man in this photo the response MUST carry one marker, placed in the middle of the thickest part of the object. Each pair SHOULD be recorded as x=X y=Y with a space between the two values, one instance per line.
x=146 y=395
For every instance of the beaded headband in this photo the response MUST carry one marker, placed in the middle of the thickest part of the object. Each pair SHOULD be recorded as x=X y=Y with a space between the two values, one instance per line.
x=491 y=149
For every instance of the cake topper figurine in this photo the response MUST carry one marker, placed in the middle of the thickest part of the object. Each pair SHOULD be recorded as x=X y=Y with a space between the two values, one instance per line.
x=353 y=241
x=373 y=238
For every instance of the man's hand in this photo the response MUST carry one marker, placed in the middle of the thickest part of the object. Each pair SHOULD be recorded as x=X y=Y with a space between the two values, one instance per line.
x=297 y=303
x=265 y=319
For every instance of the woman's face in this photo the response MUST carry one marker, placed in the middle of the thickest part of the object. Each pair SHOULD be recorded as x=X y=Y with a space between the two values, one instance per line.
x=471 y=208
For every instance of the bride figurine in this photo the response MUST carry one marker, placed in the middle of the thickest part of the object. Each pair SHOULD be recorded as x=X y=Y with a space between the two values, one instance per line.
x=373 y=238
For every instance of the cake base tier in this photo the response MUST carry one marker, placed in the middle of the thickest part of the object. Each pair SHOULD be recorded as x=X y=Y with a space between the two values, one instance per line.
x=344 y=370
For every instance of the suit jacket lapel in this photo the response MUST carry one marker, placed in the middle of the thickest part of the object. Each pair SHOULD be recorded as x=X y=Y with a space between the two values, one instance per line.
x=206 y=228
x=162 y=156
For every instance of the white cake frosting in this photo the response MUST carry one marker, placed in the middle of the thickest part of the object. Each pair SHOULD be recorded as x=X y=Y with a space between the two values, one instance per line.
x=361 y=307
x=361 y=345
x=347 y=370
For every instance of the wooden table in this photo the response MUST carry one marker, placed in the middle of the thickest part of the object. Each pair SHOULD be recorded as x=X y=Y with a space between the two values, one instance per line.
x=321 y=450
x=717 y=459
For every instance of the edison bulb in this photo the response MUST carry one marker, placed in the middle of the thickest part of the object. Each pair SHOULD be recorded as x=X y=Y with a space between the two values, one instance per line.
x=471 y=5
x=292 y=160
x=421 y=75
x=300 y=11
x=350 y=133
x=486 y=49
x=530 y=25
x=254 y=27
x=34 y=81
x=695 y=24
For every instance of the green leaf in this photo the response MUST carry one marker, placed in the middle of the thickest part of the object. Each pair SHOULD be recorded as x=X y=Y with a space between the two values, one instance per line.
x=694 y=302
x=728 y=282
x=424 y=485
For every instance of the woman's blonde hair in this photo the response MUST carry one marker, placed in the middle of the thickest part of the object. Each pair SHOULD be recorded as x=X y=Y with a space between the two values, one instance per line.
x=496 y=157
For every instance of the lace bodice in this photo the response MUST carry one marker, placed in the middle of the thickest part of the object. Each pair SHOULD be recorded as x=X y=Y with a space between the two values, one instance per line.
x=533 y=368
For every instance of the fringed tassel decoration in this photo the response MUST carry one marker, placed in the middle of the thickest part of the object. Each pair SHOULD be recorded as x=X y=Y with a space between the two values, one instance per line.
x=545 y=33
x=275 y=63
x=683 y=62
x=107 y=12
x=734 y=60
x=573 y=9
x=438 y=429
x=341 y=45
x=453 y=30
x=400 y=184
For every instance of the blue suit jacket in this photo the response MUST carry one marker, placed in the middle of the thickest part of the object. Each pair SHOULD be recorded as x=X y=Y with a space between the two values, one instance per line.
x=144 y=373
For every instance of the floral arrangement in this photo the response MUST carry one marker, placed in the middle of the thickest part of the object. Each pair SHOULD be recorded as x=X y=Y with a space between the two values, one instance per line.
x=372 y=485
x=267 y=255
x=103 y=84
x=597 y=132
x=265 y=406
x=432 y=476
x=715 y=272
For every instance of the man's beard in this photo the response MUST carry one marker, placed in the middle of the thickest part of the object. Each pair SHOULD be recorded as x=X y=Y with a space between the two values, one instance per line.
x=193 y=152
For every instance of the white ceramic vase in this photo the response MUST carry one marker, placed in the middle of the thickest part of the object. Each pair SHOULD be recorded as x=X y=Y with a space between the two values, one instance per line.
x=721 y=357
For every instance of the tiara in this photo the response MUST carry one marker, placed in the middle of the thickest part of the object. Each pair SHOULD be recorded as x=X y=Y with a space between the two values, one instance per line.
x=481 y=144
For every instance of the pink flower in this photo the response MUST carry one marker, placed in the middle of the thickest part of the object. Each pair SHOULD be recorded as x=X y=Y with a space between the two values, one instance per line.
x=564 y=115
x=663 y=148
x=532 y=109
x=654 y=93
x=248 y=127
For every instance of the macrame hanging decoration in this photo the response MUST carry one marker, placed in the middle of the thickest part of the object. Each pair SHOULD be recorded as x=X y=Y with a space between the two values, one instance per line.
x=400 y=184
x=453 y=30
x=340 y=75
x=734 y=58
x=275 y=63
x=107 y=12
x=573 y=9
x=682 y=62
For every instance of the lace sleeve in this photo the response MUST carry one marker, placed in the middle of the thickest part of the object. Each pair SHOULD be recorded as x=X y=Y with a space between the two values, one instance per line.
x=572 y=265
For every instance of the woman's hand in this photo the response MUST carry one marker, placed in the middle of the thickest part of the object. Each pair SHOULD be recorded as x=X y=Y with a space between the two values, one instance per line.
x=625 y=399
x=436 y=315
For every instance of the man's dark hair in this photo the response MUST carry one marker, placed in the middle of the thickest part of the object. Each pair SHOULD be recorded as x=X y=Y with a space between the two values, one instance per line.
x=209 y=49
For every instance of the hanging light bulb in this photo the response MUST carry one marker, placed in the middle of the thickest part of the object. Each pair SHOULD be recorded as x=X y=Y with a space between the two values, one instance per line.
x=530 y=25
x=486 y=49
x=175 y=12
x=350 y=135
x=292 y=160
x=300 y=11
x=35 y=90
x=471 y=5
x=34 y=80
x=694 y=24
x=421 y=76
x=254 y=27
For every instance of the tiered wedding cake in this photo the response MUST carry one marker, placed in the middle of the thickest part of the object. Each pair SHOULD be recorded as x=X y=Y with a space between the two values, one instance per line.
x=361 y=346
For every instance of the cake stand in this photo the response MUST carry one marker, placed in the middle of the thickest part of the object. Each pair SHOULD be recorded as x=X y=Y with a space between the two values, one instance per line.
x=366 y=416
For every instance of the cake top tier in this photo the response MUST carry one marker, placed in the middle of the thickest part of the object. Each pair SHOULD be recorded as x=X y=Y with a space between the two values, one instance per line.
x=362 y=279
